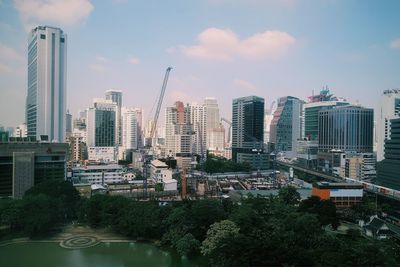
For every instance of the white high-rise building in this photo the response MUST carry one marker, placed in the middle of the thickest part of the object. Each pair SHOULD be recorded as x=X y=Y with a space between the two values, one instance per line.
x=389 y=108
x=198 y=118
x=131 y=118
x=46 y=98
x=212 y=110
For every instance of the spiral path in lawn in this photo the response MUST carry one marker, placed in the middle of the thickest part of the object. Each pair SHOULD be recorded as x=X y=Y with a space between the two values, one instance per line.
x=79 y=242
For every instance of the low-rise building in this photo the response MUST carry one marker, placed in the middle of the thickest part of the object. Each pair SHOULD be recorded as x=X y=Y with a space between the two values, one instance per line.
x=160 y=174
x=343 y=195
x=97 y=174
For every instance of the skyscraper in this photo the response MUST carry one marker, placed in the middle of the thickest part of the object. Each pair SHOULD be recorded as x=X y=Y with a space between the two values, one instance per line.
x=285 y=128
x=389 y=108
x=116 y=97
x=131 y=127
x=101 y=120
x=198 y=118
x=247 y=131
x=389 y=168
x=46 y=98
x=178 y=130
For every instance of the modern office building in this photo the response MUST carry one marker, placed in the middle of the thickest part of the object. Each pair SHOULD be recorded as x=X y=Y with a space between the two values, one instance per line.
x=343 y=129
x=248 y=131
x=285 y=128
x=116 y=97
x=46 y=98
x=100 y=124
x=25 y=164
x=216 y=141
x=198 y=118
x=347 y=128
x=212 y=111
x=131 y=128
x=389 y=168
x=101 y=130
x=389 y=108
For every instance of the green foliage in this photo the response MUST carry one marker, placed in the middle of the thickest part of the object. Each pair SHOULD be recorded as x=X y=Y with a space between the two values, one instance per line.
x=220 y=165
x=63 y=196
x=289 y=195
x=39 y=214
x=217 y=235
x=324 y=209
x=188 y=245
x=159 y=187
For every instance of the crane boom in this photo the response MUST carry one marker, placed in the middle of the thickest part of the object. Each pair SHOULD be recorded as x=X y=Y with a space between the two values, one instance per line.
x=160 y=100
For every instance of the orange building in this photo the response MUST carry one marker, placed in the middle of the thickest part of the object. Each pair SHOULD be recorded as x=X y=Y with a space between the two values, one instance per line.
x=342 y=194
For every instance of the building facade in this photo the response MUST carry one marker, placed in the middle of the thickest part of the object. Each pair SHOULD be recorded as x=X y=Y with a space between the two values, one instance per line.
x=46 y=98
x=389 y=108
x=347 y=128
x=178 y=130
x=248 y=131
x=389 y=168
x=25 y=164
x=285 y=128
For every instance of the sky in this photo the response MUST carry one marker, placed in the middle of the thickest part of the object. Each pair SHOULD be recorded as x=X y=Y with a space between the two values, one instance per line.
x=220 y=48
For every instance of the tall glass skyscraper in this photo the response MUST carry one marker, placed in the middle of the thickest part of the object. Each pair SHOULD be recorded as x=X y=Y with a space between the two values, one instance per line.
x=248 y=131
x=285 y=128
x=46 y=98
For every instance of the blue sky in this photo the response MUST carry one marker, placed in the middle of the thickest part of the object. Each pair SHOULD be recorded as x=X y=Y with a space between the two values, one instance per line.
x=221 y=48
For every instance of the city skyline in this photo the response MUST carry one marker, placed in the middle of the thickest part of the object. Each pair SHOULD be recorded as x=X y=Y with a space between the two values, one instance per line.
x=355 y=53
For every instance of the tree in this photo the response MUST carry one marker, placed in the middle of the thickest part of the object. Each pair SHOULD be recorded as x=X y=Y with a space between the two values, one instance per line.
x=325 y=209
x=289 y=195
x=38 y=215
x=216 y=236
x=62 y=194
x=188 y=245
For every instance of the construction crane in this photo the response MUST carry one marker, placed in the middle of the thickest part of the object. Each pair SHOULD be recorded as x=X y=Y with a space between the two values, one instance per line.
x=147 y=156
x=159 y=104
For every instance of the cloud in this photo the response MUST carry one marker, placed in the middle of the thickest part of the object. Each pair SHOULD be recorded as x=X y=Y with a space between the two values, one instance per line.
x=97 y=67
x=245 y=85
x=61 y=12
x=225 y=45
x=395 y=44
x=9 y=53
x=134 y=60
x=101 y=59
x=4 y=69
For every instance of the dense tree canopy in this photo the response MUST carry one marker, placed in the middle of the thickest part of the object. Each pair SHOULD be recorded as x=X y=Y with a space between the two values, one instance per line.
x=257 y=231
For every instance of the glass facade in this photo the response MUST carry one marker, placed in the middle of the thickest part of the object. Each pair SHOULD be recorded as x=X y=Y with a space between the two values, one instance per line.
x=105 y=128
x=247 y=129
x=346 y=128
x=285 y=126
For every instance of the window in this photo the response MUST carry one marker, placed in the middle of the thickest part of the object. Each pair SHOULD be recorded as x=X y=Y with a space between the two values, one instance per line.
x=43 y=36
x=62 y=39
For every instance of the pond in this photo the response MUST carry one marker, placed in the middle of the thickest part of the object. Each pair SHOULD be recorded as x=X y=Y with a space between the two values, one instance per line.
x=124 y=254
